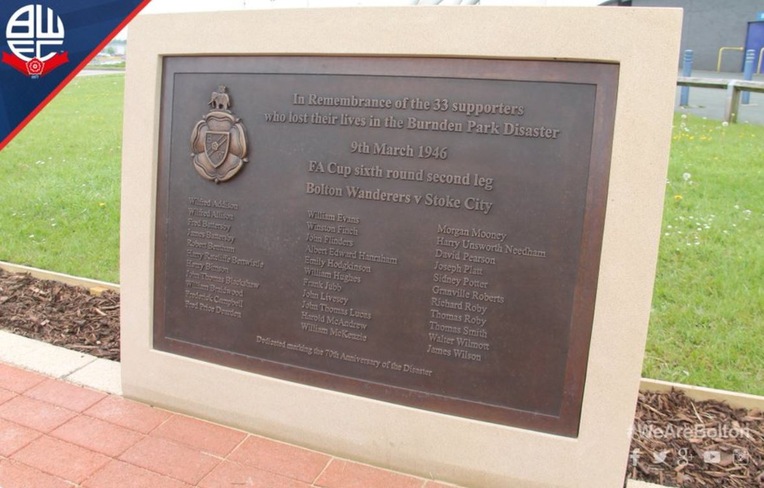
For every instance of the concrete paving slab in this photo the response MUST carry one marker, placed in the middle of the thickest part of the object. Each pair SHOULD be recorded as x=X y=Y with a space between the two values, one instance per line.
x=101 y=374
x=642 y=484
x=41 y=357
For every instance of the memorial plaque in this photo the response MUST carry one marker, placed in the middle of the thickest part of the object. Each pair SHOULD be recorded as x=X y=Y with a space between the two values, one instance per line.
x=420 y=231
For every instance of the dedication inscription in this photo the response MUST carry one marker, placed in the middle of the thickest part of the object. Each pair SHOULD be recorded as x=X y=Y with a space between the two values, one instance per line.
x=420 y=231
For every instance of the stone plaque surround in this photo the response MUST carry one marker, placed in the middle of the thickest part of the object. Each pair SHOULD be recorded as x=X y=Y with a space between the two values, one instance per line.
x=465 y=451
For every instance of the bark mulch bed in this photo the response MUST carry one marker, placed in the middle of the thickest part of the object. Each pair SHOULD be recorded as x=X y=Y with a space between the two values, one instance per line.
x=681 y=442
x=60 y=314
x=676 y=441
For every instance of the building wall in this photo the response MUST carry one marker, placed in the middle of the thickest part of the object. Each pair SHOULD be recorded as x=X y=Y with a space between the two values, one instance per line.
x=711 y=24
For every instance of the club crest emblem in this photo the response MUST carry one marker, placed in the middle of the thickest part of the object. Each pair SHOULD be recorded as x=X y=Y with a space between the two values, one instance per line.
x=33 y=33
x=219 y=141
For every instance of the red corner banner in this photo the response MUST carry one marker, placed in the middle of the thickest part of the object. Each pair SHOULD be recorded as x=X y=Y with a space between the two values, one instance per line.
x=36 y=66
x=44 y=44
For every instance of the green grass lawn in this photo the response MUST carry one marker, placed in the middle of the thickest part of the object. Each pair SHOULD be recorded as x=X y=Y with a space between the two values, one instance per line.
x=59 y=191
x=60 y=182
x=707 y=322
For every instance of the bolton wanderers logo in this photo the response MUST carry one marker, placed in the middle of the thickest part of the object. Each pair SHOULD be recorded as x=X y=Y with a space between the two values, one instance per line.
x=219 y=141
x=33 y=34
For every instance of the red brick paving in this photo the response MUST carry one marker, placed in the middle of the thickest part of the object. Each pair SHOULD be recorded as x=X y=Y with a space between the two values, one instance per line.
x=97 y=435
x=57 y=435
x=18 y=380
x=35 y=414
x=204 y=436
x=280 y=458
x=229 y=473
x=18 y=475
x=174 y=460
x=6 y=395
x=131 y=415
x=118 y=474
x=347 y=474
x=65 y=395
x=61 y=459
x=13 y=437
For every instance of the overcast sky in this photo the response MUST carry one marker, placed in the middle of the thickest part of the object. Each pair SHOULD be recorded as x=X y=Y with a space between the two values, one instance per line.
x=168 y=6
x=161 y=6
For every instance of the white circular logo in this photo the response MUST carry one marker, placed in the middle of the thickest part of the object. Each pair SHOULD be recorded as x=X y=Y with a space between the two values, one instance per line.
x=33 y=32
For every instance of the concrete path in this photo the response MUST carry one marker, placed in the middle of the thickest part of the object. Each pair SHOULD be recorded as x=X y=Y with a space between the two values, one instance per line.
x=97 y=72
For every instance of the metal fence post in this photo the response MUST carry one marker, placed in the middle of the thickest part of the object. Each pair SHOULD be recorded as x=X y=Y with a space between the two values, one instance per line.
x=750 y=55
x=684 y=92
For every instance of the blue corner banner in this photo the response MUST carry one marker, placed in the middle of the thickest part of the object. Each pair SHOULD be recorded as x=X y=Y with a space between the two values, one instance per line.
x=44 y=44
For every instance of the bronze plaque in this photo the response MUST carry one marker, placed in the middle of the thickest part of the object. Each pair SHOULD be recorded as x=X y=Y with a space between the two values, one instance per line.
x=422 y=231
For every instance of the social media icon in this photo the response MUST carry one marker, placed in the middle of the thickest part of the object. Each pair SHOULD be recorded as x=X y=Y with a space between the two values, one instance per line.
x=683 y=455
x=634 y=456
x=660 y=457
x=740 y=456
x=712 y=457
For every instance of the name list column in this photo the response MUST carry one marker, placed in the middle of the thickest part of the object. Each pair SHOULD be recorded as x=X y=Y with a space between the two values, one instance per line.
x=214 y=282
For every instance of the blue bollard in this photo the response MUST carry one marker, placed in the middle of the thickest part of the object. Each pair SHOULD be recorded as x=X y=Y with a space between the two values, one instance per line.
x=750 y=55
x=684 y=92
